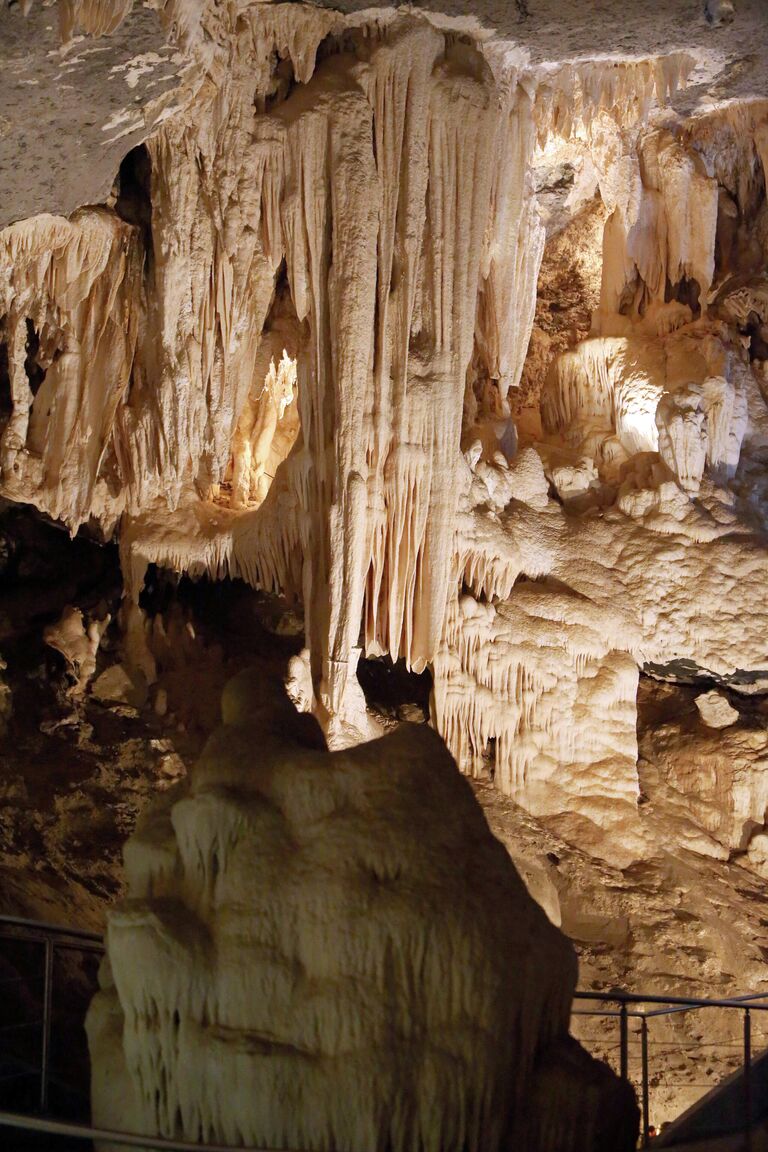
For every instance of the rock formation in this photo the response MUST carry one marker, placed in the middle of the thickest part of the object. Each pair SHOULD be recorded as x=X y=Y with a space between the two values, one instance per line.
x=451 y=330
x=330 y=950
x=300 y=242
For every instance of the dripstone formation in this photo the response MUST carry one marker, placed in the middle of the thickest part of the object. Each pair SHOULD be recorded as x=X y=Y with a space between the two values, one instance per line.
x=330 y=950
x=452 y=330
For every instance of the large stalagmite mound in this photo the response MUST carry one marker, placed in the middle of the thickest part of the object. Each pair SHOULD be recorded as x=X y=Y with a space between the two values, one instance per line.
x=331 y=950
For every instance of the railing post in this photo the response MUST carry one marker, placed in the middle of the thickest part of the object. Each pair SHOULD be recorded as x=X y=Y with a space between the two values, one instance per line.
x=644 y=1055
x=623 y=1042
x=747 y=1079
x=45 y=1058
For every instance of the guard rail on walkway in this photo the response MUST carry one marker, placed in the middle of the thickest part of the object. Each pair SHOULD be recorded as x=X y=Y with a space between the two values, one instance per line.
x=127 y=1139
x=53 y=939
x=635 y=1006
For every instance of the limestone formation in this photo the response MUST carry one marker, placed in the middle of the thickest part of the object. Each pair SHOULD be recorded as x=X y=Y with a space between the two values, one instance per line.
x=78 y=643
x=331 y=950
x=450 y=329
x=311 y=292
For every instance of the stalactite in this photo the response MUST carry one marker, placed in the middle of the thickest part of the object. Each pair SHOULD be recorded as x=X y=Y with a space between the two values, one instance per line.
x=383 y=199
x=76 y=283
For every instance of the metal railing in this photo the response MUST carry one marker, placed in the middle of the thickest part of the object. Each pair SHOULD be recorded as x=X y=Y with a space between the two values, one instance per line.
x=18 y=1121
x=53 y=939
x=633 y=1006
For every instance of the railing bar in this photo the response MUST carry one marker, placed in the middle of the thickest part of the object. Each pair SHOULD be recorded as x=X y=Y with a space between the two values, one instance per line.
x=602 y=1013
x=78 y=946
x=689 y=1001
x=51 y=929
x=61 y=945
x=645 y=1084
x=747 y=1079
x=134 y=1140
x=45 y=1058
x=652 y=997
x=20 y=1024
x=687 y=1008
x=673 y=1011
x=624 y=1043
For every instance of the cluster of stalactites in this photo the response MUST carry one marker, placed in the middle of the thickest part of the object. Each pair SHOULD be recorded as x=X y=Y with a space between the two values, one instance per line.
x=69 y=292
x=540 y=693
x=386 y=250
x=91 y=17
x=389 y=188
x=671 y=192
x=570 y=96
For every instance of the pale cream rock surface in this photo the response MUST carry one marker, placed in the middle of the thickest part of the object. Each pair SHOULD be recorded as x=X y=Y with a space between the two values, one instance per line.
x=715 y=711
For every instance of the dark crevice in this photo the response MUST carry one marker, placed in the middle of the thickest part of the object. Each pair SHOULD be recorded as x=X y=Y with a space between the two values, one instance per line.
x=35 y=374
x=134 y=198
x=282 y=284
x=758 y=337
x=159 y=591
x=686 y=291
x=479 y=595
x=6 y=400
x=684 y=671
x=392 y=690
x=489 y=758
x=283 y=83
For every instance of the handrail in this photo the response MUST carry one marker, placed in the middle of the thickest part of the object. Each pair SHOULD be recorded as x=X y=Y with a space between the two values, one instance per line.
x=42 y=926
x=680 y=1003
x=52 y=938
x=130 y=1139
x=631 y=1005
x=672 y=1004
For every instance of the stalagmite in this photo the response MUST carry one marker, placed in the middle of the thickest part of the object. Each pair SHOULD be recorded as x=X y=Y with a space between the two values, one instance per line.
x=331 y=950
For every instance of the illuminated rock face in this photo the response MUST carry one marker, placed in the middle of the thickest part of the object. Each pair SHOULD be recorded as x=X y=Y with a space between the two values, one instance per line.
x=290 y=349
x=330 y=950
x=456 y=334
